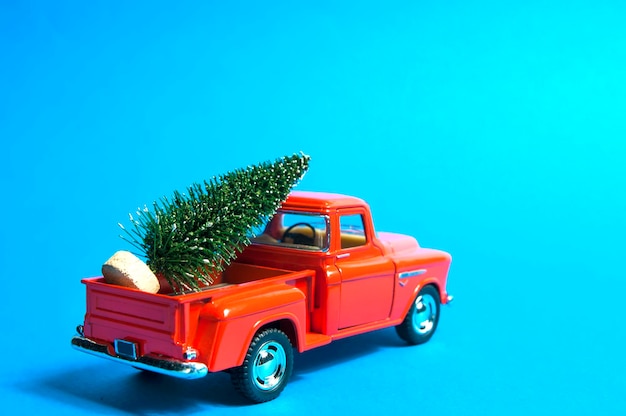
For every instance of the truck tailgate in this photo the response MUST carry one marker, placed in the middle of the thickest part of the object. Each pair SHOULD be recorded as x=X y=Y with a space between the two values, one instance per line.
x=153 y=313
x=157 y=324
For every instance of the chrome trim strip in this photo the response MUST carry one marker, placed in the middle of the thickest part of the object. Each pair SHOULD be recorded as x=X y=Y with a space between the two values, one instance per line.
x=174 y=368
x=412 y=273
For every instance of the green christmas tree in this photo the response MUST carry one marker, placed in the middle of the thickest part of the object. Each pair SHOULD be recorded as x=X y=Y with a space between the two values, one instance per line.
x=191 y=236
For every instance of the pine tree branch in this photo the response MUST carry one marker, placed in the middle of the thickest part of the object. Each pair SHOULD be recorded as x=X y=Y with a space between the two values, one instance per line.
x=192 y=236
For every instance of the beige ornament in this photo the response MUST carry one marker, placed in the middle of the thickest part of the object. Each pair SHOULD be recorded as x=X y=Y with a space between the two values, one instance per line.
x=126 y=269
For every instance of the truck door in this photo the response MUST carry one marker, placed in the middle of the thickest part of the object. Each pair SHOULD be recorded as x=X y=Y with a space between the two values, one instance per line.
x=367 y=277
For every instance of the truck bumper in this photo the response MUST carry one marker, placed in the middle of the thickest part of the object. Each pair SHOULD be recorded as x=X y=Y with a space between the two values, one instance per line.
x=170 y=367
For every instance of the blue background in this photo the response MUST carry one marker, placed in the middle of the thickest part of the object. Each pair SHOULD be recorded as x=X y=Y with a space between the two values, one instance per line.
x=493 y=130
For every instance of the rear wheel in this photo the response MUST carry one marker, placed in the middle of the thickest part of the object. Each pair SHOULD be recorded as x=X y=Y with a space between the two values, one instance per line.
x=420 y=322
x=266 y=368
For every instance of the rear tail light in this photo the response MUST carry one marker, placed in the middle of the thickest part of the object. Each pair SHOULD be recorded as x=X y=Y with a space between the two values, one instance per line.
x=190 y=353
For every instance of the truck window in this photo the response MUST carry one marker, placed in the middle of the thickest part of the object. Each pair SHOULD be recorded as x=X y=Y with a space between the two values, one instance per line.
x=352 y=231
x=296 y=230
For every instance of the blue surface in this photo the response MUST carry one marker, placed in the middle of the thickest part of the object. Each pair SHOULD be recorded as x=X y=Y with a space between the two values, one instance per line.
x=494 y=131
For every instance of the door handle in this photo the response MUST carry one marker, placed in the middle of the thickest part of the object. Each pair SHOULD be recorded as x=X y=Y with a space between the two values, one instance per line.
x=343 y=256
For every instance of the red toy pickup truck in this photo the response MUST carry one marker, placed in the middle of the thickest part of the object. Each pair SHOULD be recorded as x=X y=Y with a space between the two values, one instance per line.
x=317 y=272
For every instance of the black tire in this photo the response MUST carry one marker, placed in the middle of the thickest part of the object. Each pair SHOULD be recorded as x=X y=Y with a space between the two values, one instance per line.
x=421 y=321
x=267 y=367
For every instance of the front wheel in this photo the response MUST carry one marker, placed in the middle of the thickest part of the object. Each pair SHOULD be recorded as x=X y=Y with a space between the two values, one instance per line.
x=421 y=321
x=266 y=368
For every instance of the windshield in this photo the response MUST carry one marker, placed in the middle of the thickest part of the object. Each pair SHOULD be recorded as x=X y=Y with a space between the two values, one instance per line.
x=295 y=230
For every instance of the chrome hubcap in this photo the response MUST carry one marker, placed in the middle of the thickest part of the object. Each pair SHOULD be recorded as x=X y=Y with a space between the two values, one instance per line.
x=269 y=365
x=425 y=314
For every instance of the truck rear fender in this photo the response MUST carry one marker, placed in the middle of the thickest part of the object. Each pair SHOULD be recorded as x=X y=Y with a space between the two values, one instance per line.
x=233 y=320
x=286 y=325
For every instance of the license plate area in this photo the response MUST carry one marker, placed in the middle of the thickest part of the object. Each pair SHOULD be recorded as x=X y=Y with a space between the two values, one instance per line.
x=126 y=349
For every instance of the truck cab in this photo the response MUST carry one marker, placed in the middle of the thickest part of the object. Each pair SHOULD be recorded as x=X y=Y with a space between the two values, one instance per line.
x=363 y=278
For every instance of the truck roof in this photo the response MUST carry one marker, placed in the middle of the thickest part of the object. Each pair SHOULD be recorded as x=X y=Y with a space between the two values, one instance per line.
x=320 y=201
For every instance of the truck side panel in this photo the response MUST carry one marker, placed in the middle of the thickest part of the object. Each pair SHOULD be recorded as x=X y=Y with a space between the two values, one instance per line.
x=231 y=321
